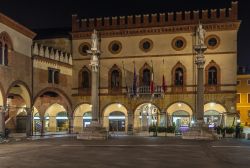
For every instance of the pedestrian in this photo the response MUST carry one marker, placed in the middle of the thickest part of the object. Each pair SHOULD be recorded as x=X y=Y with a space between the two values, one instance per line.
x=237 y=131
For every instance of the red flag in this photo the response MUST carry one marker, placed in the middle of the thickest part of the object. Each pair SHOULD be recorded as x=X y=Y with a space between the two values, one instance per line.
x=163 y=84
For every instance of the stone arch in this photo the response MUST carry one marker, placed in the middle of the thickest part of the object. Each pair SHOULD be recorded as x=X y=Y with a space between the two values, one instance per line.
x=214 y=114
x=26 y=93
x=114 y=107
x=145 y=115
x=145 y=66
x=189 y=107
x=215 y=106
x=212 y=63
x=79 y=112
x=179 y=65
x=118 y=89
x=62 y=94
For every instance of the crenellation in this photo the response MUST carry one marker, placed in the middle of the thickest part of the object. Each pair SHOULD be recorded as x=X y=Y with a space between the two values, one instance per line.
x=52 y=53
x=196 y=16
x=35 y=50
x=162 y=18
x=129 y=20
x=155 y=19
x=138 y=20
x=122 y=20
x=170 y=17
x=178 y=16
x=41 y=50
x=106 y=22
x=99 y=22
x=114 y=21
x=91 y=23
x=57 y=55
x=213 y=13
x=187 y=16
x=46 y=53
x=204 y=14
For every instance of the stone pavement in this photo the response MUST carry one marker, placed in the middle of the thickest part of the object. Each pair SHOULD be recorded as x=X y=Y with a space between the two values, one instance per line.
x=125 y=151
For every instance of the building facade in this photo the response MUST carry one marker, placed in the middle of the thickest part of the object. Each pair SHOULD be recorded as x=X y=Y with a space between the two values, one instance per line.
x=147 y=73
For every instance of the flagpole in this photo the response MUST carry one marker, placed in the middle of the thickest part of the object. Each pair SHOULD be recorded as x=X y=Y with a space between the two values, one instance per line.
x=125 y=76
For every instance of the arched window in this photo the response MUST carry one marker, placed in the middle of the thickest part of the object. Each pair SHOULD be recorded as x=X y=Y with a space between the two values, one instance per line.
x=1 y=53
x=179 y=77
x=146 y=77
x=212 y=76
x=115 y=80
x=85 y=79
x=6 y=54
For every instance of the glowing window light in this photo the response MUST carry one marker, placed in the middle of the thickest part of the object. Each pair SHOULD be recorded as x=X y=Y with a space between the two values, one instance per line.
x=117 y=117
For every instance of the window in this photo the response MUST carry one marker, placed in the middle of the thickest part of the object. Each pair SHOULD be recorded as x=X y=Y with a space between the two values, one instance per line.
x=3 y=54
x=115 y=47
x=83 y=48
x=179 y=43
x=146 y=77
x=238 y=98
x=179 y=77
x=212 y=41
x=146 y=45
x=53 y=76
x=248 y=81
x=212 y=76
x=115 y=83
x=85 y=80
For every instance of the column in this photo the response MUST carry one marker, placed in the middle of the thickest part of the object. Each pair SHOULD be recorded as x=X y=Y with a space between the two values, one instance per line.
x=2 y=122
x=71 y=124
x=94 y=94
x=130 y=123
x=29 y=122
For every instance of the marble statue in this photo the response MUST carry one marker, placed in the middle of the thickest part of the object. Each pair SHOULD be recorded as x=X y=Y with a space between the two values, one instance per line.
x=200 y=35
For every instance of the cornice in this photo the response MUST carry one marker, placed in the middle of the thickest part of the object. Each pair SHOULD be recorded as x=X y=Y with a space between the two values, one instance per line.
x=223 y=26
x=48 y=60
x=16 y=26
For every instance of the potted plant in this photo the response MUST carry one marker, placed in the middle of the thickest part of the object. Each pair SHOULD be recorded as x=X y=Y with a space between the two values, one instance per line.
x=170 y=131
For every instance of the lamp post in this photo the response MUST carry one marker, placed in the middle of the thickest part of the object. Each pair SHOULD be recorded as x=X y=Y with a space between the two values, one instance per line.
x=200 y=48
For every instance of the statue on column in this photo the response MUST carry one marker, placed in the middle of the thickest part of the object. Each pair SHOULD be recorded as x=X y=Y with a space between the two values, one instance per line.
x=200 y=35
x=95 y=41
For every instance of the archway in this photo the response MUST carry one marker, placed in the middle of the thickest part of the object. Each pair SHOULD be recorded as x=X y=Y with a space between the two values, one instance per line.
x=115 y=117
x=146 y=115
x=180 y=115
x=82 y=117
x=213 y=114
x=18 y=105
x=56 y=119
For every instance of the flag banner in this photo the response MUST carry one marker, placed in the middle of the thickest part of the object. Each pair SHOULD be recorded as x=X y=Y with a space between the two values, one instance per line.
x=164 y=87
x=152 y=80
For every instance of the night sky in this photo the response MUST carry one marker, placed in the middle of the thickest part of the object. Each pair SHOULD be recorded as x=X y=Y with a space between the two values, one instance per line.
x=40 y=14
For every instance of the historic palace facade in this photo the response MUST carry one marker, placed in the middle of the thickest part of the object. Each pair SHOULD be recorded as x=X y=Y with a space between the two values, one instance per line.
x=148 y=74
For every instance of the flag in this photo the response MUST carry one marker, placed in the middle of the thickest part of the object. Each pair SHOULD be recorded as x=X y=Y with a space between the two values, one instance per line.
x=152 y=81
x=163 y=84
x=134 y=82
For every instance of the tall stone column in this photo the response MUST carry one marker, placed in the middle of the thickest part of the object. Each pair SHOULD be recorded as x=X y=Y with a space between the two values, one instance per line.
x=2 y=121
x=200 y=48
x=94 y=63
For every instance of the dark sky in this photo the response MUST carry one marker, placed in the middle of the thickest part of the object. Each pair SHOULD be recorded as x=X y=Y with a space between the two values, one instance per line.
x=57 y=13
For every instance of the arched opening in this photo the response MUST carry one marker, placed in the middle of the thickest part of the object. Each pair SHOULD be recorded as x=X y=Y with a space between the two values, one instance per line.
x=146 y=77
x=115 y=117
x=146 y=115
x=180 y=115
x=178 y=77
x=115 y=81
x=17 y=106
x=1 y=53
x=6 y=54
x=56 y=119
x=85 y=80
x=82 y=117
x=213 y=114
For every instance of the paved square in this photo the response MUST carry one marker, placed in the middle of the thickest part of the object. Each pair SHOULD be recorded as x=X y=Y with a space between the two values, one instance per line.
x=126 y=151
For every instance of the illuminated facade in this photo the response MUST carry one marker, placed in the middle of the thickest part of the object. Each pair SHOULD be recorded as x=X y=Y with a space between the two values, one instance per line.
x=243 y=97
x=147 y=73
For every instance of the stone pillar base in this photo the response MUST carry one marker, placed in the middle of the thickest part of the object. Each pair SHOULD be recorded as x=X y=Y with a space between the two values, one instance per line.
x=199 y=132
x=94 y=131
